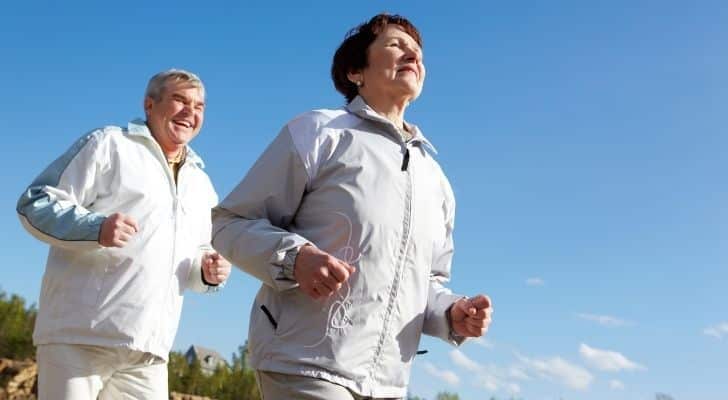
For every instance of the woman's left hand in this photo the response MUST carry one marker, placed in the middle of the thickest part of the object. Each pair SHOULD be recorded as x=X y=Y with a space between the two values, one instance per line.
x=470 y=317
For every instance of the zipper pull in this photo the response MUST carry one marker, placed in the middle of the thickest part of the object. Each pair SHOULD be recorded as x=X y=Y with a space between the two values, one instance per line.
x=405 y=160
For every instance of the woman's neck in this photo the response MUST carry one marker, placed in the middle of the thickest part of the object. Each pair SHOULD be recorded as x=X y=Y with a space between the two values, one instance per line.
x=390 y=109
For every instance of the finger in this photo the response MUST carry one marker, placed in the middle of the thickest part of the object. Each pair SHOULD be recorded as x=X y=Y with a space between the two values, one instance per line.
x=123 y=237
x=128 y=229
x=476 y=323
x=330 y=283
x=323 y=289
x=314 y=293
x=482 y=313
x=340 y=271
x=476 y=332
x=473 y=330
x=351 y=268
x=130 y=221
x=480 y=301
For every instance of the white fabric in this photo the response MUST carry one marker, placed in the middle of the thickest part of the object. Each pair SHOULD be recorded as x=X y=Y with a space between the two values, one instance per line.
x=108 y=296
x=346 y=182
x=81 y=372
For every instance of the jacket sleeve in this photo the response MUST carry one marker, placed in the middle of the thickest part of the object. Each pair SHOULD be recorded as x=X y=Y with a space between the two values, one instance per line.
x=250 y=226
x=194 y=278
x=54 y=208
x=440 y=298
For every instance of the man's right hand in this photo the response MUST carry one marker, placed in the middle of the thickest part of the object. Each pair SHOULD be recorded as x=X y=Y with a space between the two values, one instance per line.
x=318 y=273
x=117 y=229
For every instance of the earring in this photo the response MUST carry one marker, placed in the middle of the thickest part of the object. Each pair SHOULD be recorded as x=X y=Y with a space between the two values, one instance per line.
x=358 y=83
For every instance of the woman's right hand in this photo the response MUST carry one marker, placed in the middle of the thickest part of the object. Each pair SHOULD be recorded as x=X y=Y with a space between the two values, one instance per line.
x=318 y=273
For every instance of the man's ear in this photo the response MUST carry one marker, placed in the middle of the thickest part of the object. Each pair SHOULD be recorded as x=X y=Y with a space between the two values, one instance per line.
x=148 y=102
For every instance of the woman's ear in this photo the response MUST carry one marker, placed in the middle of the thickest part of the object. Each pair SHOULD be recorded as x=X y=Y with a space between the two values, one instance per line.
x=356 y=78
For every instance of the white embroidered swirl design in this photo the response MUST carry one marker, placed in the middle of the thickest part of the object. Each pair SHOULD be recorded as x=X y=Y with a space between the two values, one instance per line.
x=338 y=317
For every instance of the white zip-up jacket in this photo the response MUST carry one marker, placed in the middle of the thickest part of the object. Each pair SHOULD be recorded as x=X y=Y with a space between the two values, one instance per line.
x=107 y=296
x=345 y=181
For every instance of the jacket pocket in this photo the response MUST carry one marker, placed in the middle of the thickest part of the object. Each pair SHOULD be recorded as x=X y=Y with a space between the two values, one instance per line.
x=269 y=316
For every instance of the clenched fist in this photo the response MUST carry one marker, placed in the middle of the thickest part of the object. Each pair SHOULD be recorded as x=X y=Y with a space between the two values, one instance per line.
x=318 y=273
x=117 y=229
x=215 y=268
x=471 y=317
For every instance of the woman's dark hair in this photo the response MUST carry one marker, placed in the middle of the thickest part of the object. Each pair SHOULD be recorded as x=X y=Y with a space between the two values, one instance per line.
x=351 y=55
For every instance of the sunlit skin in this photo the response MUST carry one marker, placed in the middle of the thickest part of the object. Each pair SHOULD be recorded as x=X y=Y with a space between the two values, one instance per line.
x=394 y=75
x=176 y=118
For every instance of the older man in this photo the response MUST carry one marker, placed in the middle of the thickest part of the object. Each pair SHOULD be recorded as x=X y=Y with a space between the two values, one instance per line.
x=126 y=212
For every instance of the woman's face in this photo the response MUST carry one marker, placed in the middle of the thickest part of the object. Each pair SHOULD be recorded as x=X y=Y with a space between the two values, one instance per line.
x=395 y=69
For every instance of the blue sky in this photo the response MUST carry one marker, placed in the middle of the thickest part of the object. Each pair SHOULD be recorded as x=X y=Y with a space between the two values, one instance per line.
x=585 y=142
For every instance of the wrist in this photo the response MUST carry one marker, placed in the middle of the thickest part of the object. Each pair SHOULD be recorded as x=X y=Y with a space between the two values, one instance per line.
x=289 y=261
x=205 y=281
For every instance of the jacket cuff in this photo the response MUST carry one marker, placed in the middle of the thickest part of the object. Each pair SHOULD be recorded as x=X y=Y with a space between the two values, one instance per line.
x=196 y=279
x=439 y=324
x=284 y=259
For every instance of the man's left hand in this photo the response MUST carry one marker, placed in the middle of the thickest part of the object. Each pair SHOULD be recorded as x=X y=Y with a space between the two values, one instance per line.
x=471 y=317
x=215 y=268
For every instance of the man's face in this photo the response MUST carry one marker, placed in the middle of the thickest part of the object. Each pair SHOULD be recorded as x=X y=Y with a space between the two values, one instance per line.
x=176 y=118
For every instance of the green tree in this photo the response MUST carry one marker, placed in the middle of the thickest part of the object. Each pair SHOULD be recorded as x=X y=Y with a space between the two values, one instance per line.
x=234 y=382
x=177 y=368
x=16 y=327
x=447 y=396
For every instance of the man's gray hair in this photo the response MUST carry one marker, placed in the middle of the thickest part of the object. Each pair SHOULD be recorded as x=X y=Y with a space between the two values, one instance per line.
x=158 y=83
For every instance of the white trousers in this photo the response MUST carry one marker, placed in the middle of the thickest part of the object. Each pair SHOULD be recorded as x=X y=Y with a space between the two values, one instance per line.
x=82 y=372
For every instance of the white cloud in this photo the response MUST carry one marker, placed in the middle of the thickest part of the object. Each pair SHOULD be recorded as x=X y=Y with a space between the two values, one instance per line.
x=607 y=360
x=487 y=382
x=519 y=373
x=489 y=377
x=616 y=385
x=560 y=370
x=513 y=388
x=535 y=282
x=445 y=375
x=605 y=320
x=717 y=331
x=488 y=344
x=463 y=361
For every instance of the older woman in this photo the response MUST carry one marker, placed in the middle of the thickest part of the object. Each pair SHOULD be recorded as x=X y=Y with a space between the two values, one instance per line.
x=347 y=220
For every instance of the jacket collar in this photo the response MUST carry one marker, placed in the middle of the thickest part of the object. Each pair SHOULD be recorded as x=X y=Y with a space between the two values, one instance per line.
x=139 y=128
x=359 y=107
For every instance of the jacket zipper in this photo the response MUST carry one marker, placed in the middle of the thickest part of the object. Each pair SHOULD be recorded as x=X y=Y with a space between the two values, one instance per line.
x=404 y=245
